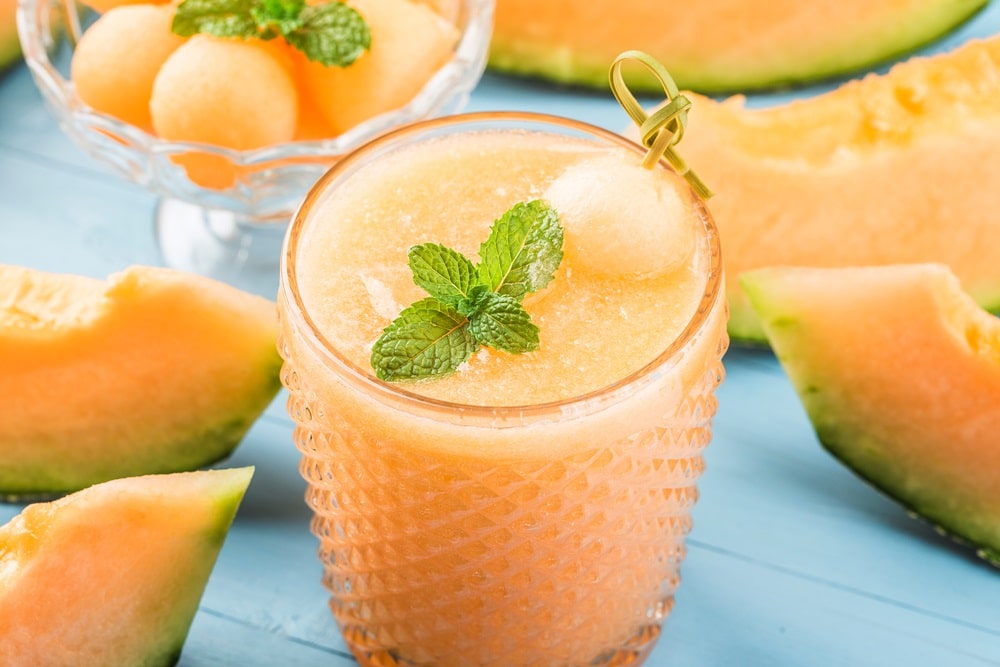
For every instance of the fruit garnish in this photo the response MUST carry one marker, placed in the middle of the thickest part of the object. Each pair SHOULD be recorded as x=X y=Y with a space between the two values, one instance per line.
x=664 y=128
x=622 y=220
x=472 y=304
x=331 y=33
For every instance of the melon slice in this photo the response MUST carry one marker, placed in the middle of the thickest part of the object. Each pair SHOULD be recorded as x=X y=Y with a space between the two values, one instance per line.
x=715 y=45
x=112 y=575
x=151 y=371
x=887 y=169
x=899 y=372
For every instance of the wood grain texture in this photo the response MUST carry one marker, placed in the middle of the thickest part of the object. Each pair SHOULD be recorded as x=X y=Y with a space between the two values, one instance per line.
x=793 y=560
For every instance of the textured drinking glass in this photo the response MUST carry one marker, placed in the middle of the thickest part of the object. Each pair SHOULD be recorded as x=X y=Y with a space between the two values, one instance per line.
x=467 y=535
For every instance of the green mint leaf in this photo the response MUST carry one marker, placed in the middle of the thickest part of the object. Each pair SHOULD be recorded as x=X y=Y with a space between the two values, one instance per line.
x=444 y=273
x=222 y=18
x=427 y=339
x=523 y=250
x=501 y=322
x=276 y=17
x=332 y=34
x=472 y=305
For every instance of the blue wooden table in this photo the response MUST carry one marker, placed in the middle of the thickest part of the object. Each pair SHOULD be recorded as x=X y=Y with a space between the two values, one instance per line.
x=793 y=560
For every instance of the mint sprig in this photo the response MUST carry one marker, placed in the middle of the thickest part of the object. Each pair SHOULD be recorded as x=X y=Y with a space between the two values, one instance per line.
x=332 y=33
x=471 y=305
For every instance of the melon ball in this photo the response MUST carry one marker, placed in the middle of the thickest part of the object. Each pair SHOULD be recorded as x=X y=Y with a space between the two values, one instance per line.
x=283 y=52
x=409 y=42
x=622 y=219
x=224 y=92
x=311 y=124
x=117 y=59
x=208 y=170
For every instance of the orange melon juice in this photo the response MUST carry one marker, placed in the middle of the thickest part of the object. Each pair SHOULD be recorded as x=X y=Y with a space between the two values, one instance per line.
x=528 y=509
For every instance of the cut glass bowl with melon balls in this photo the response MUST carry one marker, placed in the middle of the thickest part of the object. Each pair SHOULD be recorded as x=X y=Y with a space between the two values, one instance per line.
x=154 y=107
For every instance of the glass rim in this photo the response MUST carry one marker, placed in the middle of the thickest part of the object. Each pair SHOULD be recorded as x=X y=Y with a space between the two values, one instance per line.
x=289 y=294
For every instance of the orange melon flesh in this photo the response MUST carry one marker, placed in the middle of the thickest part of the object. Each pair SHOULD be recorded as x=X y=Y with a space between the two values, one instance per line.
x=150 y=371
x=112 y=575
x=118 y=57
x=886 y=169
x=409 y=42
x=10 y=45
x=899 y=371
x=104 y=6
x=715 y=45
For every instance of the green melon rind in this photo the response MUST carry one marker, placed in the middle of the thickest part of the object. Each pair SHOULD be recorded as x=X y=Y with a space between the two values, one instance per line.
x=218 y=491
x=909 y=33
x=227 y=494
x=746 y=329
x=10 y=46
x=744 y=326
x=10 y=51
x=198 y=445
x=843 y=443
x=214 y=418
x=829 y=411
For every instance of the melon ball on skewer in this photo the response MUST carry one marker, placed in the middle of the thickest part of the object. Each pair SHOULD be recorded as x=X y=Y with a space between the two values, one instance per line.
x=409 y=42
x=117 y=59
x=224 y=92
x=623 y=219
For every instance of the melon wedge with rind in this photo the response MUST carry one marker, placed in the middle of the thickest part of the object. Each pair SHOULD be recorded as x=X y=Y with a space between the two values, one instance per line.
x=113 y=574
x=715 y=45
x=899 y=372
x=152 y=370
x=893 y=168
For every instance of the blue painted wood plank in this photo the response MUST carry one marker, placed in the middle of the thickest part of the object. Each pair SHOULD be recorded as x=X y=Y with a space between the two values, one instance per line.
x=793 y=560
x=55 y=220
x=26 y=124
x=221 y=641
x=771 y=493
x=735 y=612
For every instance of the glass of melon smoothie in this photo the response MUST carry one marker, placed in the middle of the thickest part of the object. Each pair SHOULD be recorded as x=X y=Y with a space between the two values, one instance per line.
x=527 y=509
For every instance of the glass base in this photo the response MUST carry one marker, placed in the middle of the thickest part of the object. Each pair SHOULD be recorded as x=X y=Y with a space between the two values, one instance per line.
x=632 y=654
x=220 y=244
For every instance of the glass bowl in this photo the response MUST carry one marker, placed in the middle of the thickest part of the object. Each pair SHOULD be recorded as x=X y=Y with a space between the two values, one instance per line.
x=233 y=231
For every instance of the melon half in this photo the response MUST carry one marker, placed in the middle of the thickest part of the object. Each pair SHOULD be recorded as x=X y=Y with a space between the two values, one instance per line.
x=715 y=45
x=111 y=576
x=153 y=370
x=897 y=168
x=899 y=372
